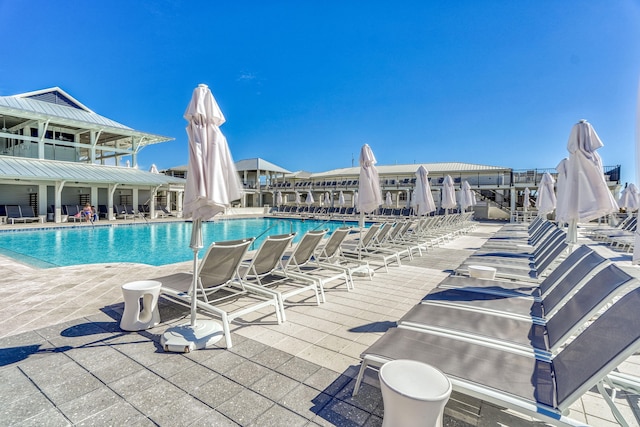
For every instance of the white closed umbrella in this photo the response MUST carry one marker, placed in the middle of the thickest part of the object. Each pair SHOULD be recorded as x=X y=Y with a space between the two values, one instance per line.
x=279 y=198
x=310 y=200
x=341 y=199
x=467 y=196
x=321 y=202
x=327 y=199
x=630 y=198
x=153 y=169
x=298 y=200
x=212 y=184
x=411 y=203
x=423 y=197
x=355 y=199
x=448 y=194
x=388 y=201
x=585 y=194
x=546 y=200
x=369 y=194
x=526 y=202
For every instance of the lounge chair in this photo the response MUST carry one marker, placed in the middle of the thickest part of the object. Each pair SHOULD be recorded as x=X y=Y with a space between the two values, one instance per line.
x=73 y=213
x=368 y=249
x=541 y=389
x=27 y=212
x=581 y=255
x=530 y=272
x=219 y=283
x=330 y=255
x=103 y=211
x=517 y=259
x=14 y=213
x=542 y=338
x=123 y=211
x=394 y=242
x=523 y=307
x=265 y=272
x=301 y=263
x=522 y=251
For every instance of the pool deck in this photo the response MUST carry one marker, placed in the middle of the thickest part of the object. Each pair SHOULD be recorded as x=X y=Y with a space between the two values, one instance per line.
x=65 y=361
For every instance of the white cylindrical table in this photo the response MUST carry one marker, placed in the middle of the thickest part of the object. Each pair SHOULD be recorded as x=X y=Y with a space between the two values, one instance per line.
x=482 y=272
x=140 y=305
x=413 y=393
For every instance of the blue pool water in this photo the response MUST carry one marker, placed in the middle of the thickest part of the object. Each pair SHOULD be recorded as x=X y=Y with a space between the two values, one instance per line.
x=153 y=244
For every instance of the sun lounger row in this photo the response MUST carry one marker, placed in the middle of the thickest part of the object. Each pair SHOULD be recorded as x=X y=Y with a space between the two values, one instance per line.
x=524 y=257
x=231 y=286
x=531 y=348
x=621 y=237
x=276 y=277
x=354 y=182
x=20 y=213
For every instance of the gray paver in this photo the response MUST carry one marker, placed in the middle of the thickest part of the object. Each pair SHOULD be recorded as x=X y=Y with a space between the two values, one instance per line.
x=279 y=416
x=245 y=407
x=274 y=385
x=87 y=405
x=298 y=369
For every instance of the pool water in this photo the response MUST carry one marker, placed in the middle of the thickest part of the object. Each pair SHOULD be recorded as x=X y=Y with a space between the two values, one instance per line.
x=153 y=244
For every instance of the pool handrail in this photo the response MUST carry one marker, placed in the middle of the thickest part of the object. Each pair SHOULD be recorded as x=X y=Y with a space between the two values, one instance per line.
x=252 y=247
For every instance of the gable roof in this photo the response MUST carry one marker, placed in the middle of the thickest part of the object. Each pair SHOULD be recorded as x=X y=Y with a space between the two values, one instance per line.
x=258 y=164
x=54 y=95
x=56 y=103
x=435 y=168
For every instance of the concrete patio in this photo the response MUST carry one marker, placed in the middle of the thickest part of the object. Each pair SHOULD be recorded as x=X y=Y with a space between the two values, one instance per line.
x=65 y=361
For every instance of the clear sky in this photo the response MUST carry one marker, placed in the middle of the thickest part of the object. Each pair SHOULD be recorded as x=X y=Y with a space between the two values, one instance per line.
x=304 y=84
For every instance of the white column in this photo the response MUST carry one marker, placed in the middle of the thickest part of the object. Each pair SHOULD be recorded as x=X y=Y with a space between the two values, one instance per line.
x=179 y=202
x=135 y=199
x=42 y=199
x=111 y=191
x=58 y=201
x=513 y=204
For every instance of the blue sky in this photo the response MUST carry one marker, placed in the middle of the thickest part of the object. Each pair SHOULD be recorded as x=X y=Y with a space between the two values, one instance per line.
x=304 y=84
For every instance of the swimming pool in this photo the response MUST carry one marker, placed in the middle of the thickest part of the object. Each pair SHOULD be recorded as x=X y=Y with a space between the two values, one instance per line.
x=153 y=244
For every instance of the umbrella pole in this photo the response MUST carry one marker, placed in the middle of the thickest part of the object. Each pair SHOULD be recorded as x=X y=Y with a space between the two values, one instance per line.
x=196 y=245
x=572 y=233
x=192 y=336
x=194 y=287
x=360 y=241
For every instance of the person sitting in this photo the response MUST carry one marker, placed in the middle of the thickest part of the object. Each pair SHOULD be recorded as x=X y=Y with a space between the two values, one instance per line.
x=88 y=213
x=94 y=214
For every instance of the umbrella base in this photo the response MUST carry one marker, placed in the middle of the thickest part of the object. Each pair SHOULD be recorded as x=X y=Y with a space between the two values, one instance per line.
x=185 y=338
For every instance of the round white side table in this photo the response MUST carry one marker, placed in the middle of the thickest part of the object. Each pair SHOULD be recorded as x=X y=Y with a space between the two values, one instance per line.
x=414 y=394
x=140 y=305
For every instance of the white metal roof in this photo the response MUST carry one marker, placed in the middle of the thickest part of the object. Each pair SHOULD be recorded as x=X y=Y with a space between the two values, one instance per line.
x=435 y=168
x=77 y=115
x=17 y=168
x=258 y=164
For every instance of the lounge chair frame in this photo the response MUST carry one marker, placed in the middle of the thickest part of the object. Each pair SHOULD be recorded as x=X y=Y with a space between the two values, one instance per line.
x=226 y=255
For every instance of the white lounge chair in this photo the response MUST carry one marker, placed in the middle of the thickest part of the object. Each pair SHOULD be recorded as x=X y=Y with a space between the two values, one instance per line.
x=541 y=389
x=301 y=263
x=219 y=285
x=265 y=273
x=542 y=338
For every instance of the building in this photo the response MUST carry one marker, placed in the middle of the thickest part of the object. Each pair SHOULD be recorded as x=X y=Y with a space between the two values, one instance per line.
x=54 y=152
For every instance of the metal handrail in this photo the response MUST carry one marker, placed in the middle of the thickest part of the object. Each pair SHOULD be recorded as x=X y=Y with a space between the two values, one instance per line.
x=267 y=229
